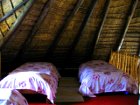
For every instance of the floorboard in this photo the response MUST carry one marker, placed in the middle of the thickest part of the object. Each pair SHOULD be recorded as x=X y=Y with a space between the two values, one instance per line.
x=67 y=91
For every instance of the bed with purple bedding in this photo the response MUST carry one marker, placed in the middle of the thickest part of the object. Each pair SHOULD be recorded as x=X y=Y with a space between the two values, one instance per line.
x=98 y=76
x=33 y=78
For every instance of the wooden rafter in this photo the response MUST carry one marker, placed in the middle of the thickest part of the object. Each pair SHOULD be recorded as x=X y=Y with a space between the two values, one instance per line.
x=30 y=36
x=3 y=14
x=1 y=32
x=81 y=29
x=131 y=11
x=95 y=40
x=62 y=28
x=10 y=34
x=13 y=10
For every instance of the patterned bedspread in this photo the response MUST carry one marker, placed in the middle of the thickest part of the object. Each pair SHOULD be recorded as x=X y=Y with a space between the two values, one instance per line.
x=98 y=76
x=40 y=77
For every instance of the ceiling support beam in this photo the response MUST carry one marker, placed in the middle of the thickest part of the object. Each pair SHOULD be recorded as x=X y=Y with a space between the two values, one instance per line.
x=131 y=11
x=35 y=28
x=62 y=28
x=95 y=40
x=10 y=33
x=81 y=29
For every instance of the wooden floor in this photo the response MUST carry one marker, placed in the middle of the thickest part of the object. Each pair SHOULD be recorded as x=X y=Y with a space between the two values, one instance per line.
x=68 y=91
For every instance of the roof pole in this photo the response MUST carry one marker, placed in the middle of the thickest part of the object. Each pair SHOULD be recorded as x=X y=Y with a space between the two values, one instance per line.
x=132 y=10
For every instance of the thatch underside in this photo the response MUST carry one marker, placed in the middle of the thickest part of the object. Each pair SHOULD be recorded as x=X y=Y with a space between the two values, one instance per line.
x=68 y=32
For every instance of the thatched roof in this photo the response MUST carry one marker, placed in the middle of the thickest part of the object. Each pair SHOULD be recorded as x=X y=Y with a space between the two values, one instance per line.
x=68 y=32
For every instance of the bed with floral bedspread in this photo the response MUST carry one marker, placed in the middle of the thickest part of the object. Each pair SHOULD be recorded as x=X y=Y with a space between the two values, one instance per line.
x=33 y=77
x=98 y=76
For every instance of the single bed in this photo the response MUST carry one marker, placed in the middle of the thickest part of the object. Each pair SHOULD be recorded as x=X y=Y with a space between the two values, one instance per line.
x=33 y=78
x=98 y=76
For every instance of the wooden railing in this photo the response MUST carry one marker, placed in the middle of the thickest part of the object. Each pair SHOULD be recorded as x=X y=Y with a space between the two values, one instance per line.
x=127 y=63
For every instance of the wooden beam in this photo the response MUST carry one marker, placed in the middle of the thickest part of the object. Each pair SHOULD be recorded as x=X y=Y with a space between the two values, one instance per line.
x=35 y=28
x=62 y=28
x=1 y=32
x=4 y=14
x=10 y=33
x=131 y=11
x=95 y=40
x=13 y=10
x=81 y=29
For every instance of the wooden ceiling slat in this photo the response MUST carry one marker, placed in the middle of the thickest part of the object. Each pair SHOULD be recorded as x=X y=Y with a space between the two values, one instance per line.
x=1 y=32
x=10 y=33
x=13 y=8
x=95 y=40
x=131 y=11
x=62 y=28
x=35 y=28
x=81 y=29
x=4 y=14
x=104 y=31
x=1 y=4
